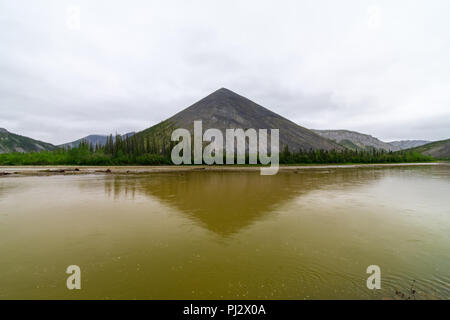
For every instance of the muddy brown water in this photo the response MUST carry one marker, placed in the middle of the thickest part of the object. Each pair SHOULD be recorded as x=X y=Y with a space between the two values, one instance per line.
x=309 y=234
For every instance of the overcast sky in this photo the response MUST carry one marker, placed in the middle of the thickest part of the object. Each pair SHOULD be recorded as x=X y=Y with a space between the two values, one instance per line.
x=73 y=68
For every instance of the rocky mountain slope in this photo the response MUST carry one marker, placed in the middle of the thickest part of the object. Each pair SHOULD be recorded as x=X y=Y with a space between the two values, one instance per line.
x=10 y=142
x=355 y=140
x=437 y=149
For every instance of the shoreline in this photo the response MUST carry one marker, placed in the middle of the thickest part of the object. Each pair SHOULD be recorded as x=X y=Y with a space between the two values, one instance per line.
x=10 y=171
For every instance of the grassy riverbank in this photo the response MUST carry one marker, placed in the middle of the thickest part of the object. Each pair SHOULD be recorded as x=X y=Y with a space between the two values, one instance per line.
x=88 y=157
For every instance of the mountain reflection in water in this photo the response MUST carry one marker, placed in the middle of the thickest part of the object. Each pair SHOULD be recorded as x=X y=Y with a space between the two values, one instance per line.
x=226 y=202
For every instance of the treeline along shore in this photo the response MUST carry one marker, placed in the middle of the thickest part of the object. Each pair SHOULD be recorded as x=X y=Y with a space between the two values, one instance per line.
x=139 y=150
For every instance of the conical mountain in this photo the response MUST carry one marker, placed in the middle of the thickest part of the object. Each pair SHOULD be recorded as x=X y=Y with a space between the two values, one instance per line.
x=224 y=109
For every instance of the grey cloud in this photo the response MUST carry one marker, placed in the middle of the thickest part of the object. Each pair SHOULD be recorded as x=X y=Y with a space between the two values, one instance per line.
x=133 y=64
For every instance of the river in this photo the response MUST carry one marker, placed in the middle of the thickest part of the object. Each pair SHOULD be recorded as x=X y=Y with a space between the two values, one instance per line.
x=306 y=234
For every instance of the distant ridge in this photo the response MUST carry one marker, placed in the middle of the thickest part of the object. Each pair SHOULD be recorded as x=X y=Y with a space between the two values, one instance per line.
x=356 y=140
x=360 y=141
x=10 y=142
x=223 y=109
x=94 y=139
x=407 y=144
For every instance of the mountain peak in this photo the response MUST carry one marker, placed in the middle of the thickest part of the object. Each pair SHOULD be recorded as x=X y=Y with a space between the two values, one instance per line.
x=3 y=130
x=224 y=92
